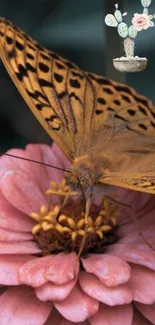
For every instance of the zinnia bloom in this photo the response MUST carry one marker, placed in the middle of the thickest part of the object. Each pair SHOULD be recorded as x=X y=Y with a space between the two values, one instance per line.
x=111 y=284
x=142 y=21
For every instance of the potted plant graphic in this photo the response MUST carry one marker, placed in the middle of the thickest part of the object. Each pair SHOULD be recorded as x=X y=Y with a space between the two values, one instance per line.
x=130 y=62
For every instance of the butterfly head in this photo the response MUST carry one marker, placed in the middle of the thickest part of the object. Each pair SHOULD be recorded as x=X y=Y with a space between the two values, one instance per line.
x=81 y=174
x=76 y=179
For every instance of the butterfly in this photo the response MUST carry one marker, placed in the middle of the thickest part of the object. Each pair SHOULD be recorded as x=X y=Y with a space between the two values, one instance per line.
x=104 y=128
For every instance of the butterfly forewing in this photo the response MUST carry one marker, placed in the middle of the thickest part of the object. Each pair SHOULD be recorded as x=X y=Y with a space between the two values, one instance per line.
x=82 y=112
x=54 y=88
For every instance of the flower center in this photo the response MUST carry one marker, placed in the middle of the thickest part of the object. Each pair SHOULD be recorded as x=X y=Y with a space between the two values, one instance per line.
x=66 y=227
x=141 y=21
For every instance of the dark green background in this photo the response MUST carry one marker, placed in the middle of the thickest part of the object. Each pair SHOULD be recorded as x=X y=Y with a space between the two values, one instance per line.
x=76 y=30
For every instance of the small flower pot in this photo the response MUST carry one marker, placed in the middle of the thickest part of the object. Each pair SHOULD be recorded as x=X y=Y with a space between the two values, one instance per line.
x=134 y=64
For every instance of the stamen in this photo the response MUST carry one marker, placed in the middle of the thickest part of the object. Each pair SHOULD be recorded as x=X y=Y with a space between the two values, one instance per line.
x=62 y=190
x=67 y=226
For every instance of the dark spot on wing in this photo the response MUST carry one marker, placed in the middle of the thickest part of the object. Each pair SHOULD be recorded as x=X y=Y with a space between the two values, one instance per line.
x=19 y=46
x=36 y=94
x=58 y=77
x=60 y=65
x=117 y=102
x=9 y=40
x=101 y=100
x=131 y=112
x=123 y=88
x=141 y=100
x=31 y=46
x=142 y=126
x=11 y=54
x=69 y=64
x=54 y=55
x=73 y=95
x=98 y=111
x=74 y=83
x=29 y=56
x=43 y=67
x=142 y=110
x=45 y=83
x=44 y=56
x=30 y=67
x=62 y=94
x=22 y=72
x=108 y=90
x=39 y=106
x=110 y=109
x=126 y=98
x=153 y=124
x=77 y=74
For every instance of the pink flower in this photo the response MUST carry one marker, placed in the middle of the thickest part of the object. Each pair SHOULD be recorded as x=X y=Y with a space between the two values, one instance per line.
x=142 y=21
x=115 y=287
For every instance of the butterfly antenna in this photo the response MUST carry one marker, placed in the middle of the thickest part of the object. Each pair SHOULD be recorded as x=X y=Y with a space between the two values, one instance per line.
x=34 y=161
x=134 y=218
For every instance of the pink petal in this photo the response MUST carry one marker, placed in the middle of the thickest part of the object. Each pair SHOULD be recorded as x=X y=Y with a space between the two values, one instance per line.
x=147 y=310
x=51 y=291
x=19 y=248
x=45 y=155
x=35 y=152
x=9 y=266
x=106 y=267
x=143 y=284
x=60 y=268
x=54 y=156
x=128 y=233
x=131 y=198
x=56 y=319
x=64 y=268
x=37 y=171
x=9 y=236
x=12 y=219
x=130 y=253
x=19 y=305
x=118 y=295
x=77 y=307
x=26 y=195
x=118 y=315
x=32 y=273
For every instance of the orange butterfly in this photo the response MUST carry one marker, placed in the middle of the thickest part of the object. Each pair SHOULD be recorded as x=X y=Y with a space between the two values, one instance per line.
x=105 y=129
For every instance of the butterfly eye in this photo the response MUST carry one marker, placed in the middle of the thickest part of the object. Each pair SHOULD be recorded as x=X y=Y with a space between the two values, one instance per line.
x=82 y=180
x=85 y=181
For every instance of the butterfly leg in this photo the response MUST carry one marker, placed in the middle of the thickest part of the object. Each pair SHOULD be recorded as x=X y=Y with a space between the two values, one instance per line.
x=87 y=211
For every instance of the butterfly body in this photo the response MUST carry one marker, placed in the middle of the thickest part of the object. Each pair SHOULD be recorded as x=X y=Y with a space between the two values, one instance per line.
x=104 y=128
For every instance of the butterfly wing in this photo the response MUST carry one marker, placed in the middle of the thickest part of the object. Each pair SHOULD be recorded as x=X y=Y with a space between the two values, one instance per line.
x=54 y=88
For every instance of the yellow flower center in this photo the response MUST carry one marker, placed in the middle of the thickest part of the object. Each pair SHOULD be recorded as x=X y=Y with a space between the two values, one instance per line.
x=65 y=226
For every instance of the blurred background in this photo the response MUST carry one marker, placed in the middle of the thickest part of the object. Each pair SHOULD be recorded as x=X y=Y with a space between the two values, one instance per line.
x=75 y=30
